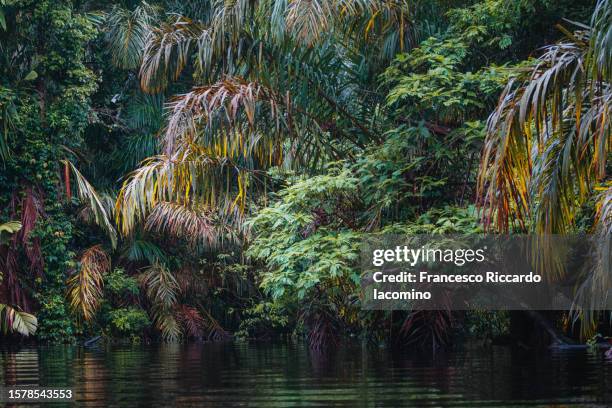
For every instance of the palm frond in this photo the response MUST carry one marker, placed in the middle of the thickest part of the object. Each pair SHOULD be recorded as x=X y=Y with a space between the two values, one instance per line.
x=135 y=149
x=196 y=224
x=139 y=250
x=546 y=142
x=31 y=211
x=192 y=175
x=145 y=111
x=229 y=18
x=160 y=286
x=88 y=193
x=162 y=290
x=127 y=32
x=592 y=295
x=212 y=114
x=85 y=286
x=10 y=227
x=167 y=51
x=191 y=320
x=166 y=323
x=215 y=331
x=307 y=19
x=601 y=39
x=8 y=112
x=17 y=321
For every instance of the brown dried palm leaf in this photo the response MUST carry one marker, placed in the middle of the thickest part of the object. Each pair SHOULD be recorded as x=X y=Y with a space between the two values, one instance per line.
x=213 y=116
x=191 y=320
x=196 y=224
x=31 y=210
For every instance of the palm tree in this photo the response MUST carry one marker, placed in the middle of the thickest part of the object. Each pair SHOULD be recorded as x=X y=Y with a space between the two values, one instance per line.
x=276 y=87
x=547 y=146
x=549 y=138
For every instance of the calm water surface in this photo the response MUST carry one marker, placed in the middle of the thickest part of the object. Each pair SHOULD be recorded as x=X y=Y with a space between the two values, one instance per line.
x=268 y=375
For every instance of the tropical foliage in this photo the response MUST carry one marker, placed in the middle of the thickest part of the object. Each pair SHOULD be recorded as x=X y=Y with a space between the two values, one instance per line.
x=207 y=169
x=11 y=319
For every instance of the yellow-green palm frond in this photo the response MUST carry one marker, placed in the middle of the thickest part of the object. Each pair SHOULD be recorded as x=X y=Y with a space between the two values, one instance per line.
x=8 y=228
x=218 y=139
x=505 y=165
x=17 y=321
x=85 y=285
x=546 y=142
x=603 y=219
x=192 y=175
x=101 y=212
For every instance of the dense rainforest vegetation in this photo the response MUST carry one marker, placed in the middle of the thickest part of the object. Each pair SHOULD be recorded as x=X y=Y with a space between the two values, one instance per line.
x=208 y=169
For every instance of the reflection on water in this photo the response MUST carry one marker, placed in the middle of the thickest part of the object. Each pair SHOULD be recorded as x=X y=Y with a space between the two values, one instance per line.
x=272 y=375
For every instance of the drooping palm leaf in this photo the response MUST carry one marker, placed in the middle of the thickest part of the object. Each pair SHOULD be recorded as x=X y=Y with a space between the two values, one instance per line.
x=140 y=250
x=222 y=136
x=31 y=211
x=546 y=149
x=160 y=285
x=17 y=321
x=547 y=141
x=162 y=290
x=193 y=175
x=198 y=225
x=167 y=51
x=601 y=39
x=85 y=285
x=166 y=323
x=127 y=32
x=8 y=228
x=88 y=194
x=204 y=111
x=191 y=320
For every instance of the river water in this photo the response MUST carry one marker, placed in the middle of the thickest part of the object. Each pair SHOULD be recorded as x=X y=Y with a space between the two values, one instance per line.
x=288 y=375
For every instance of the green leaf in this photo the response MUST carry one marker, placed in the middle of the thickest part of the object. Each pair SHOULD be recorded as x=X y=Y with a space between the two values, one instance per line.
x=16 y=321
x=31 y=76
x=8 y=228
